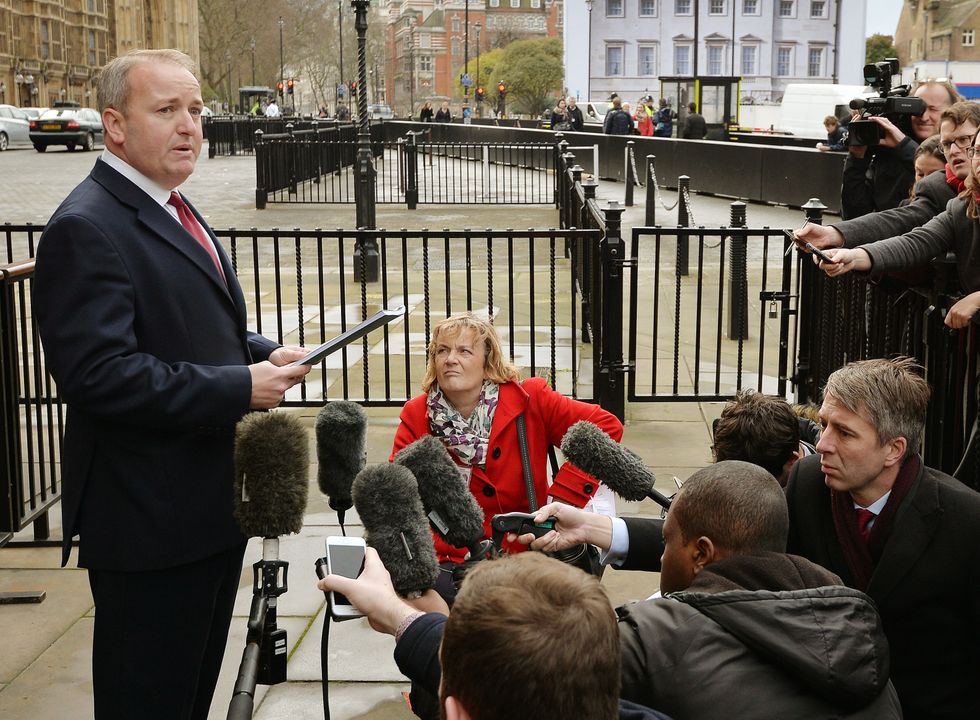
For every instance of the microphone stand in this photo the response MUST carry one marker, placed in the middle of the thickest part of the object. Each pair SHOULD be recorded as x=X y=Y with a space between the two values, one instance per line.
x=264 y=657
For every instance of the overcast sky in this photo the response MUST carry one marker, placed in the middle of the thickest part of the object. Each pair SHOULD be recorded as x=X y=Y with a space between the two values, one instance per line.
x=882 y=16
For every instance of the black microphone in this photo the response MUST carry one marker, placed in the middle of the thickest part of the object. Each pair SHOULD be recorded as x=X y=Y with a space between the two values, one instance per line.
x=387 y=500
x=589 y=449
x=271 y=474
x=340 y=428
x=451 y=508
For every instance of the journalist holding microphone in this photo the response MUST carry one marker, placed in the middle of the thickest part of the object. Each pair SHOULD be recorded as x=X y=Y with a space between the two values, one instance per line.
x=473 y=402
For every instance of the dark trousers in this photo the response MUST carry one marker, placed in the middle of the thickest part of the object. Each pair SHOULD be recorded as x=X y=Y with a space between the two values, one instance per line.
x=160 y=636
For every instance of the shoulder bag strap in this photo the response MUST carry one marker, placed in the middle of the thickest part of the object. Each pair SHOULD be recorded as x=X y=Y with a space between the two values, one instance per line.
x=532 y=496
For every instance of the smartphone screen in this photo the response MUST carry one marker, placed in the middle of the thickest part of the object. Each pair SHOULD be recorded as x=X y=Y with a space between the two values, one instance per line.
x=346 y=560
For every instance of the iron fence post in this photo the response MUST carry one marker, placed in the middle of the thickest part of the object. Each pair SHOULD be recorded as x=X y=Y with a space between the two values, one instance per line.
x=650 y=218
x=738 y=284
x=610 y=390
x=567 y=162
x=683 y=220
x=630 y=180
x=261 y=158
x=291 y=155
x=585 y=262
x=10 y=430
x=366 y=258
x=561 y=146
x=805 y=379
x=411 y=172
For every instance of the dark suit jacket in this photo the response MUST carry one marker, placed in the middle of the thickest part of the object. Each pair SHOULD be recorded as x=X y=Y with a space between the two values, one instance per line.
x=926 y=585
x=646 y=544
x=149 y=349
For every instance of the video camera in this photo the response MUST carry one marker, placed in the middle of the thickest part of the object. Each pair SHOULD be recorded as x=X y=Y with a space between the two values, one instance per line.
x=893 y=103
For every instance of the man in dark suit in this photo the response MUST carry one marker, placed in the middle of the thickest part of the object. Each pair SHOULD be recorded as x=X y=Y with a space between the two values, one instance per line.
x=867 y=509
x=143 y=327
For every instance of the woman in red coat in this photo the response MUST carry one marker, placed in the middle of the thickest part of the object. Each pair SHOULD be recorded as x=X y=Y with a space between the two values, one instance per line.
x=471 y=400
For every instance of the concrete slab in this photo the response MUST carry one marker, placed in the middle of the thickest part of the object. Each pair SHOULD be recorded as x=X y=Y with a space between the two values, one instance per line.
x=348 y=701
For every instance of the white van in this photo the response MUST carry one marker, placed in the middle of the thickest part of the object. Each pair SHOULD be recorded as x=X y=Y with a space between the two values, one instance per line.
x=805 y=105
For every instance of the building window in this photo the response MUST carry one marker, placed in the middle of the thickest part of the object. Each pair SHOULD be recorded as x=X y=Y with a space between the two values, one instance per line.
x=787 y=8
x=646 y=60
x=614 y=8
x=455 y=24
x=784 y=61
x=614 y=60
x=91 y=48
x=715 y=60
x=682 y=7
x=648 y=8
x=968 y=38
x=682 y=59
x=814 y=65
x=717 y=7
x=535 y=4
x=748 y=59
x=515 y=3
x=818 y=8
x=493 y=3
x=425 y=63
x=456 y=48
x=45 y=40
x=750 y=7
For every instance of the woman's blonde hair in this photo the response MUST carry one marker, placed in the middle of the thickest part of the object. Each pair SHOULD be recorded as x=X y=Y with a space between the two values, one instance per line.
x=497 y=368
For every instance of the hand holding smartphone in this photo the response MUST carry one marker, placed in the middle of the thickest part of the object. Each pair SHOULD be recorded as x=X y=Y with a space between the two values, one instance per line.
x=809 y=247
x=345 y=557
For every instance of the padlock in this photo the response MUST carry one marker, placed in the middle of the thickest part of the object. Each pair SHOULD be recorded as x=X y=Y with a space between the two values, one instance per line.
x=772 y=310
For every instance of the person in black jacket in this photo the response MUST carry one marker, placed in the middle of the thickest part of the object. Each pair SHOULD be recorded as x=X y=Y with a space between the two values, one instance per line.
x=575 y=114
x=880 y=178
x=695 y=128
x=618 y=121
x=493 y=661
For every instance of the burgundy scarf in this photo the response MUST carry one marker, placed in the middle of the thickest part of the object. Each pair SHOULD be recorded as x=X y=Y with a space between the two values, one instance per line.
x=953 y=181
x=861 y=556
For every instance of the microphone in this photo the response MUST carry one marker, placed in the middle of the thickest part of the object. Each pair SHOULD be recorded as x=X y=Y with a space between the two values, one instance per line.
x=387 y=500
x=340 y=429
x=448 y=502
x=589 y=449
x=271 y=474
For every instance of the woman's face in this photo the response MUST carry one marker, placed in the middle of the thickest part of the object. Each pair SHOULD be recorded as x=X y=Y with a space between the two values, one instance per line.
x=460 y=362
x=926 y=165
x=561 y=104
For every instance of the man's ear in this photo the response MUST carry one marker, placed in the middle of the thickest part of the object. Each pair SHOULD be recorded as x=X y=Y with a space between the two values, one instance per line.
x=114 y=125
x=454 y=710
x=895 y=450
x=703 y=553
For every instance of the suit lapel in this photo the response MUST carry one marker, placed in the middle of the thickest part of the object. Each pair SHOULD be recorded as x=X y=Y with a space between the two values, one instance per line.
x=161 y=223
x=911 y=535
x=231 y=287
x=511 y=403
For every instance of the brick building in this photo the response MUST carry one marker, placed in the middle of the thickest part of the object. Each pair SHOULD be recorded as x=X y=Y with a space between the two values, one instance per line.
x=938 y=38
x=52 y=49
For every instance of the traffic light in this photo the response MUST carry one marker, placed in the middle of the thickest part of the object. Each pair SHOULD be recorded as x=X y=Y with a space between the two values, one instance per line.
x=502 y=88
x=480 y=94
x=289 y=85
x=279 y=88
x=353 y=88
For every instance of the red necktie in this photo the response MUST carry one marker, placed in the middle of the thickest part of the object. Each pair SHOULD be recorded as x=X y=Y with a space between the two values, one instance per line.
x=865 y=517
x=192 y=226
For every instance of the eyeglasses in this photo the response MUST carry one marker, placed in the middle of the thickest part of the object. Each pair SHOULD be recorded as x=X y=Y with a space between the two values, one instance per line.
x=962 y=142
x=971 y=151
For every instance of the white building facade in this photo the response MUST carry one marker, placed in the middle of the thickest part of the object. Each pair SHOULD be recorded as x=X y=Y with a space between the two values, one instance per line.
x=769 y=43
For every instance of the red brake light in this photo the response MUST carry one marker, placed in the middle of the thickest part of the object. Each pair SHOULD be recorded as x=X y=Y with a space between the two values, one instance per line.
x=73 y=125
x=33 y=125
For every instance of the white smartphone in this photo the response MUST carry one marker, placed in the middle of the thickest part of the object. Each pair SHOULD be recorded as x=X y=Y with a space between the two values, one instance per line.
x=345 y=556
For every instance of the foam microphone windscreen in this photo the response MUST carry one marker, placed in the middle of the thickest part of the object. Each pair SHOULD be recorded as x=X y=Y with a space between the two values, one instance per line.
x=340 y=450
x=588 y=448
x=387 y=500
x=447 y=499
x=271 y=474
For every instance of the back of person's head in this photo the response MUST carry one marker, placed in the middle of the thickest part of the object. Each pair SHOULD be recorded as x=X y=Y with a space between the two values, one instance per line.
x=736 y=504
x=931 y=146
x=498 y=369
x=759 y=429
x=617 y=102
x=529 y=636
x=961 y=112
x=112 y=88
x=951 y=91
x=891 y=394
x=692 y=107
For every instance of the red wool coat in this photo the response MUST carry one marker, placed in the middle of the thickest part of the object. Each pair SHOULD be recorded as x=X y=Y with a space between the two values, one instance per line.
x=499 y=487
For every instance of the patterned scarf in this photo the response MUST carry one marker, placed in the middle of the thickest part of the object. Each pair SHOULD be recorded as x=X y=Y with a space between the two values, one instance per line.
x=466 y=438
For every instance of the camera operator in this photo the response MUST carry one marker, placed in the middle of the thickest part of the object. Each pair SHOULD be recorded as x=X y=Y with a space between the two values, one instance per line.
x=880 y=179
x=958 y=125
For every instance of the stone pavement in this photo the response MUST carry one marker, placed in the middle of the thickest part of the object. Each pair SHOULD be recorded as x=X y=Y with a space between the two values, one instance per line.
x=45 y=664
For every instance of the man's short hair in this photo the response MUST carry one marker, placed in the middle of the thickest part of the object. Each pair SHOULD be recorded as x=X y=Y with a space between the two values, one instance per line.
x=617 y=103
x=759 y=429
x=692 y=107
x=892 y=394
x=954 y=95
x=831 y=120
x=112 y=89
x=737 y=504
x=530 y=636
x=961 y=112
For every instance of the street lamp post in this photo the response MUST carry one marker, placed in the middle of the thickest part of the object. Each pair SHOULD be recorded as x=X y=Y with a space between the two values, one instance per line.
x=366 y=260
x=588 y=56
x=466 y=49
x=340 y=38
x=479 y=105
x=411 y=69
x=252 y=44
x=282 y=71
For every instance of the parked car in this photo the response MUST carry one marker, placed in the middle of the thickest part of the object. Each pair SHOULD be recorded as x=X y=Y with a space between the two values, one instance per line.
x=595 y=111
x=33 y=112
x=379 y=111
x=67 y=124
x=14 y=127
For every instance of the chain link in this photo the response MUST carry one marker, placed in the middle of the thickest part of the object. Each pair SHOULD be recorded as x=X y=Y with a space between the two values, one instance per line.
x=636 y=175
x=690 y=208
x=660 y=197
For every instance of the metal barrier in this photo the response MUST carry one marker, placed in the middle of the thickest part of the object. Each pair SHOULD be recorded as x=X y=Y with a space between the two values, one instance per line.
x=230 y=135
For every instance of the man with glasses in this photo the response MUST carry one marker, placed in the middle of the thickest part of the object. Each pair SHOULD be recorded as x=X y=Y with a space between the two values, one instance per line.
x=958 y=126
x=880 y=179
